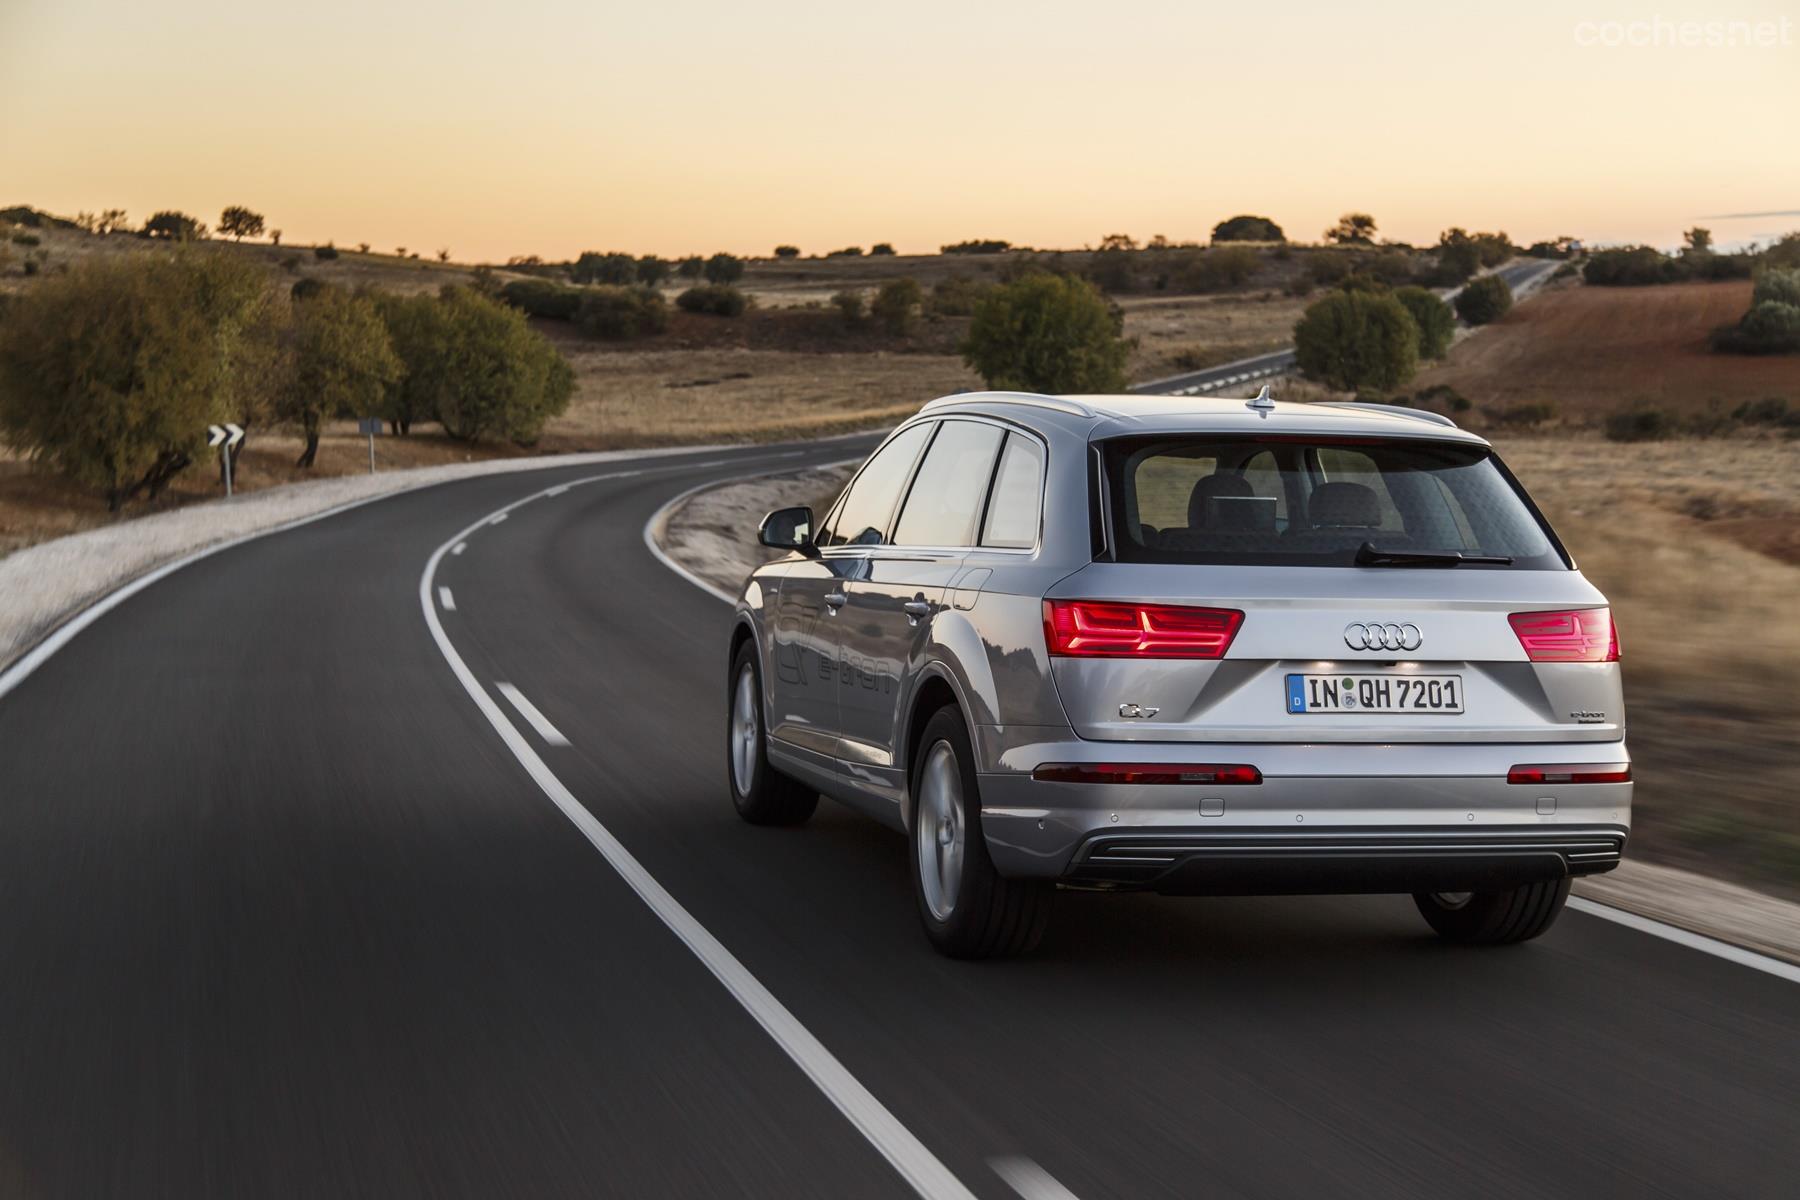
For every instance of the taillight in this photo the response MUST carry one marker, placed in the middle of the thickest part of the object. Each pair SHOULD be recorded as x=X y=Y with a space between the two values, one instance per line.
x=1572 y=773
x=1571 y=635
x=1207 y=773
x=1110 y=629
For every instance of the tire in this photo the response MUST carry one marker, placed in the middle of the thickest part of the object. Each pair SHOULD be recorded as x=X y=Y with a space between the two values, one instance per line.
x=967 y=909
x=763 y=795
x=1494 y=918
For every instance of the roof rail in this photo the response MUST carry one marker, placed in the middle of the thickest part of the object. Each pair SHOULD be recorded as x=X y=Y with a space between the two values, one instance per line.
x=1399 y=410
x=1031 y=399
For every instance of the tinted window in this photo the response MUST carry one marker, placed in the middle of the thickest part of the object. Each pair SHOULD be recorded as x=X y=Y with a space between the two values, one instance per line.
x=945 y=500
x=1012 y=516
x=862 y=515
x=1297 y=503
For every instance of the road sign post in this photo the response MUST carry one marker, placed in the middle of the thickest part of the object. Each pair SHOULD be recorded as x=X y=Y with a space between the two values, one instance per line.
x=225 y=437
x=370 y=427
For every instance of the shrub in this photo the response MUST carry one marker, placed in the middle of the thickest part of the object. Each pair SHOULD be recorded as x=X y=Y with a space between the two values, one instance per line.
x=714 y=299
x=652 y=270
x=239 y=222
x=846 y=252
x=724 y=269
x=1437 y=324
x=882 y=248
x=1392 y=267
x=691 y=267
x=1443 y=393
x=616 y=314
x=1217 y=269
x=787 y=252
x=1247 y=229
x=543 y=298
x=1523 y=416
x=957 y=296
x=1300 y=285
x=977 y=246
x=1111 y=270
x=306 y=289
x=1631 y=266
x=593 y=267
x=339 y=362
x=500 y=377
x=1777 y=286
x=1484 y=300
x=1328 y=268
x=174 y=226
x=1047 y=333
x=21 y=238
x=897 y=305
x=1640 y=425
x=1770 y=410
x=111 y=372
x=849 y=304
x=1356 y=340
x=326 y=252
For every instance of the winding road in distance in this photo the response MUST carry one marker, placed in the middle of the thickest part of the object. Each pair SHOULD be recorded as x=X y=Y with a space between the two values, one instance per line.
x=1247 y=372
x=390 y=856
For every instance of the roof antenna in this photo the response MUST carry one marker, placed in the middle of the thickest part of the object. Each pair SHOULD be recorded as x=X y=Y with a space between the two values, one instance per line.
x=1264 y=403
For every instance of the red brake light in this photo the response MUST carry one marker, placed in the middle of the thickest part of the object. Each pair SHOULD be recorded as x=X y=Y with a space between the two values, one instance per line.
x=1204 y=773
x=1572 y=773
x=1572 y=635
x=1110 y=629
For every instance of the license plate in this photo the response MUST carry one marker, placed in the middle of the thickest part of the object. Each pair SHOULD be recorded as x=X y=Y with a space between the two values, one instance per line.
x=1374 y=694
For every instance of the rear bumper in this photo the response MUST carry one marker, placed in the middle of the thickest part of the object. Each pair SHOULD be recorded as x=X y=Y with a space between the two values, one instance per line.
x=1285 y=861
x=1325 y=818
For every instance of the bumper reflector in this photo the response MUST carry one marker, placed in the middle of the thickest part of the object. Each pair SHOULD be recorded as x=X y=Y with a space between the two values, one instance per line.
x=1144 y=773
x=1572 y=773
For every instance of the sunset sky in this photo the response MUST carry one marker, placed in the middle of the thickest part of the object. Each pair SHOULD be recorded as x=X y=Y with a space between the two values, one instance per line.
x=553 y=126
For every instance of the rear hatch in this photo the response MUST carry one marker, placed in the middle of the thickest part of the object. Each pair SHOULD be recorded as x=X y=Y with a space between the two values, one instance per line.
x=1301 y=589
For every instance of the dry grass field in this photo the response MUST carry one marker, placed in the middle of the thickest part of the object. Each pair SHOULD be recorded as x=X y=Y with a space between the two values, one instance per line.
x=1592 y=351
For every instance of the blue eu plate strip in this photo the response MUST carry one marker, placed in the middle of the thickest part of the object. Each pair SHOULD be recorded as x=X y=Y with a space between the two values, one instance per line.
x=1296 y=694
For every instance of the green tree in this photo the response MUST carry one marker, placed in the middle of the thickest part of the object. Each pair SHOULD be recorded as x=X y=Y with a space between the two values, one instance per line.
x=1047 y=333
x=174 y=226
x=614 y=267
x=787 y=252
x=502 y=378
x=1697 y=240
x=340 y=362
x=897 y=305
x=724 y=269
x=1437 y=324
x=239 y=222
x=1352 y=229
x=1483 y=300
x=882 y=249
x=111 y=372
x=1358 y=340
x=419 y=330
x=1247 y=229
x=651 y=270
x=691 y=267
x=1118 y=241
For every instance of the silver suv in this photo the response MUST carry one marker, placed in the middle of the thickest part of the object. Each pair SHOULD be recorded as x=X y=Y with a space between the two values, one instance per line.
x=1196 y=646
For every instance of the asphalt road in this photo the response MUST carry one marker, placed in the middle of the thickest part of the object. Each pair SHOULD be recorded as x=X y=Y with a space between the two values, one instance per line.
x=282 y=913
x=1251 y=371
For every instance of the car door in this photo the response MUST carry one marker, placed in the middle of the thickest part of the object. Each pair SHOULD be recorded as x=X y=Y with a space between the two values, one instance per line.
x=886 y=623
x=804 y=684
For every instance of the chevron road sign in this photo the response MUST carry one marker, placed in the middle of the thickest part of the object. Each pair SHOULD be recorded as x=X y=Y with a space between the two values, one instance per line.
x=228 y=435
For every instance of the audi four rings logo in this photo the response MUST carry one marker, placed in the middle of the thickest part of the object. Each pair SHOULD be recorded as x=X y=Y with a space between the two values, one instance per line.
x=1359 y=636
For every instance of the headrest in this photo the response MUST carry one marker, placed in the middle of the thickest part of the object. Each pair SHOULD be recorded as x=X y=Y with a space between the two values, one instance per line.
x=1343 y=506
x=1214 y=487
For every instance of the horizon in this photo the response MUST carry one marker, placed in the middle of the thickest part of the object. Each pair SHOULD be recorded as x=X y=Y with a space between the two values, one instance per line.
x=557 y=129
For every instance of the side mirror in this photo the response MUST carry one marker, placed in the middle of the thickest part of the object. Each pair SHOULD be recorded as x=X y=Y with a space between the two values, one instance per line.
x=788 y=529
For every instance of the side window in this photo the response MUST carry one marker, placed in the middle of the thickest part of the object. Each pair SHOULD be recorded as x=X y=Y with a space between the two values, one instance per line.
x=1012 y=515
x=945 y=500
x=863 y=513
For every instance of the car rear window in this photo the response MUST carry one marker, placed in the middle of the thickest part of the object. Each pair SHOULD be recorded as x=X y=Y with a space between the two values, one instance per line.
x=1315 y=502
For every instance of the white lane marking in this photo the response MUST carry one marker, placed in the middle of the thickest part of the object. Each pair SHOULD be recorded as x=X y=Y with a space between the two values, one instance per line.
x=502 y=516
x=533 y=717
x=655 y=524
x=446 y=599
x=905 y=1152
x=1028 y=1179
x=557 y=491
x=717 y=462
x=459 y=547
x=1693 y=941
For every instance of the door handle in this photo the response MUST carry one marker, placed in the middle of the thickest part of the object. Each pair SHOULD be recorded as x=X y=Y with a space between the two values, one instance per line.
x=916 y=610
x=835 y=601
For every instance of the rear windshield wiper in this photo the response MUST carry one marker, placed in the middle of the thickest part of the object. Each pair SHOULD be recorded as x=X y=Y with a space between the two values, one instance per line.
x=1368 y=556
